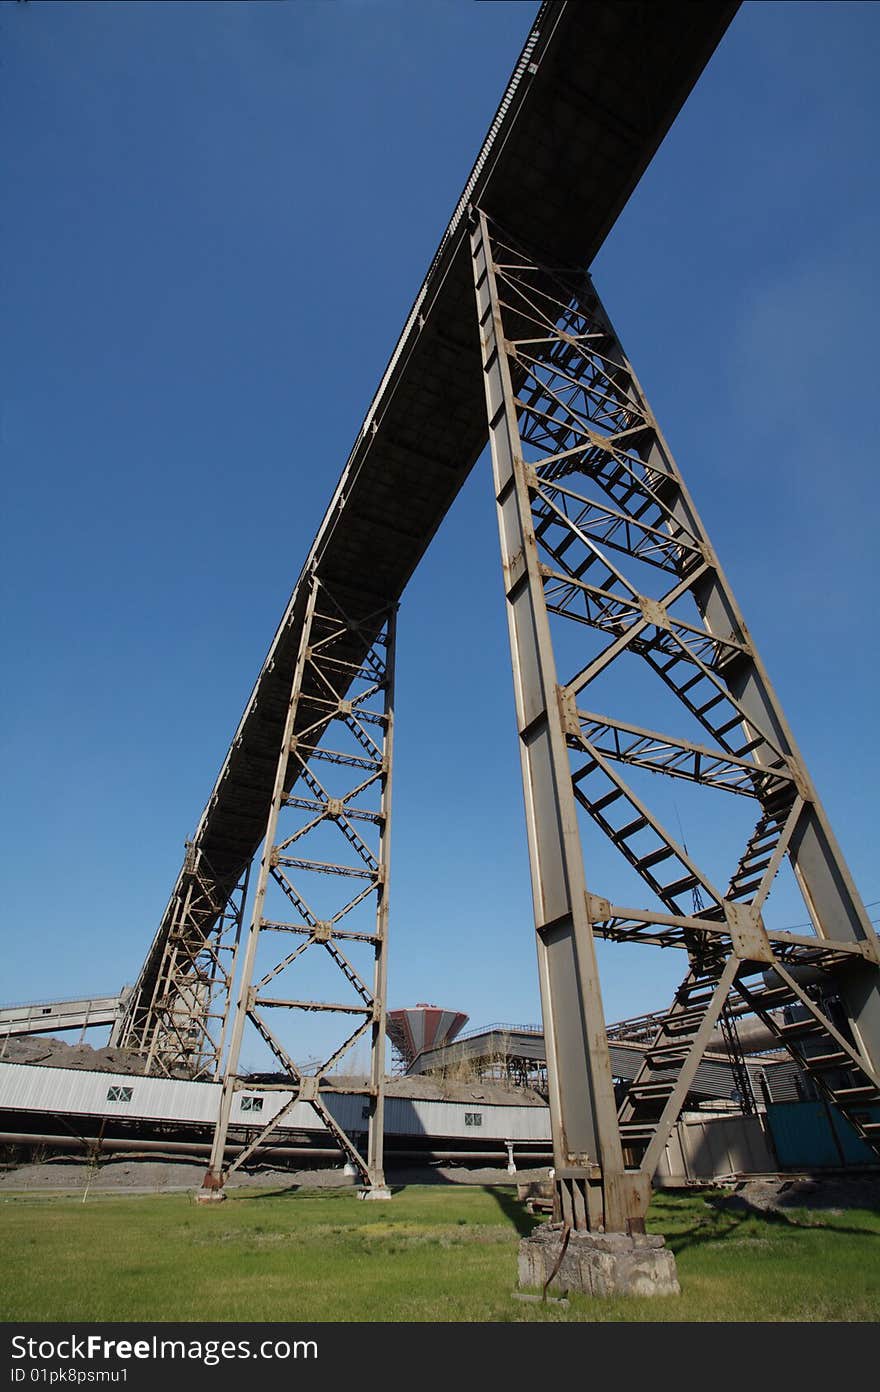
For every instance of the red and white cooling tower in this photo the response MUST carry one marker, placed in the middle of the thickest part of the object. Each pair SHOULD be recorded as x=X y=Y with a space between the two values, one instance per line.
x=421 y=1027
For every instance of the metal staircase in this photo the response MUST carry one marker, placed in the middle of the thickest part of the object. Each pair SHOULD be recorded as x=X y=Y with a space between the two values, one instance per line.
x=649 y=1095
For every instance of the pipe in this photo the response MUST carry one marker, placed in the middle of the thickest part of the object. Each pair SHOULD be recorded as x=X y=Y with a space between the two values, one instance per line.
x=124 y=1143
x=754 y=1036
x=198 y=1148
x=803 y=974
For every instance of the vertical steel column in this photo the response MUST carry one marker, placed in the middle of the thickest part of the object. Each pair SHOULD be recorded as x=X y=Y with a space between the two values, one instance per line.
x=238 y=920
x=376 y=1134
x=342 y=663
x=593 y=1187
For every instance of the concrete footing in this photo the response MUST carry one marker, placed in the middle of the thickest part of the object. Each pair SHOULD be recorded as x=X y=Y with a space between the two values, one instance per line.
x=598 y=1263
x=210 y=1196
x=377 y=1192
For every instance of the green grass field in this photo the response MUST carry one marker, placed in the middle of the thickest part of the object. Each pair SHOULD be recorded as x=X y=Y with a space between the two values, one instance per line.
x=433 y=1253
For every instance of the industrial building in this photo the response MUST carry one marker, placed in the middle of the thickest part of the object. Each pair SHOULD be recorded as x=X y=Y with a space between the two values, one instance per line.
x=475 y=1099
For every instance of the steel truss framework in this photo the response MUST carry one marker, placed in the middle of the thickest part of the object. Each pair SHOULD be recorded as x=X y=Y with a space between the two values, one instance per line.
x=590 y=506
x=183 y=1029
x=333 y=701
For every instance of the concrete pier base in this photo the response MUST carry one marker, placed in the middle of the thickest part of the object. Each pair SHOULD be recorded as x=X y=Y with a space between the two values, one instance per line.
x=376 y=1192
x=211 y=1190
x=598 y=1263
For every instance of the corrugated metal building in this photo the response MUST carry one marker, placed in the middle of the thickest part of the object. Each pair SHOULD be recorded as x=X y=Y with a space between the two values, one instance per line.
x=34 y=1090
x=473 y=1121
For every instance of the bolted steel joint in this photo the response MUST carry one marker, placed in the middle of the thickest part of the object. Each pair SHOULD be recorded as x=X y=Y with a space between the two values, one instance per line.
x=568 y=711
x=748 y=935
x=599 y=909
x=654 y=612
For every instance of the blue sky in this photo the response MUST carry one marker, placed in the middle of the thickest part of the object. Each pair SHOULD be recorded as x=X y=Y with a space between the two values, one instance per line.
x=216 y=219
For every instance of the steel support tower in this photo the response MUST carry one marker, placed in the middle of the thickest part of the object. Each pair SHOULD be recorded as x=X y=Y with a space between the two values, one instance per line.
x=599 y=535
x=332 y=780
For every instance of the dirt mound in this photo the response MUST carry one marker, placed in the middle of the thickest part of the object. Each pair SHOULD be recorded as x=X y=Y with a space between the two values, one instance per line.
x=434 y=1089
x=54 y=1053
x=828 y=1192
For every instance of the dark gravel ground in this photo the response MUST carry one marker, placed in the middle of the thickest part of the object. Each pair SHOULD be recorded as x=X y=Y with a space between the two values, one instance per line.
x=822 y=1192
x=158 y=1176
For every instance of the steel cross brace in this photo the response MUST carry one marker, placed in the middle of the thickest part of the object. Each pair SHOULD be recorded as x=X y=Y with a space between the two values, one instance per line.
x=597 y=528
x=183 y=1028
x=335 y=688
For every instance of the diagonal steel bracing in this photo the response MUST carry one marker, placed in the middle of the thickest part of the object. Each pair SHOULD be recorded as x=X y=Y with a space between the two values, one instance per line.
x=181 y=1029
x=320 y=837
x=603 y=549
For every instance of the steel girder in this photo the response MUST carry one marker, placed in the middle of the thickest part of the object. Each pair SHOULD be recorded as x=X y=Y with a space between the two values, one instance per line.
x=181 y=1029
x=599 y=533
x=334 y=701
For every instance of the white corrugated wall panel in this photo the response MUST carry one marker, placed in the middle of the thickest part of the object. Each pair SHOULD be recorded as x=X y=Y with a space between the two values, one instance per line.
x=29 y=1087
x=496 y=1122
x=301 y=1117
x=405 y=1116
x=347 y=1109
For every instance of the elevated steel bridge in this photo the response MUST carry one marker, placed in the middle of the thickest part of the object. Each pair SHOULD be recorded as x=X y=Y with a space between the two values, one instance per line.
x=57 y=1016
x=579 y=122
x=508 y=341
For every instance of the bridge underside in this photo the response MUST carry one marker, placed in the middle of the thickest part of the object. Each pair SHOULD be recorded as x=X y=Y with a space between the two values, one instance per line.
x=580 y=121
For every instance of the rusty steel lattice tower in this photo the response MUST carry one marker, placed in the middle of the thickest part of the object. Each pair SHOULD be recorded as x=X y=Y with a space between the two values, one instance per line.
x=341 y=694
x=611 y=585
x=598 y=530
